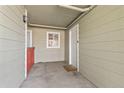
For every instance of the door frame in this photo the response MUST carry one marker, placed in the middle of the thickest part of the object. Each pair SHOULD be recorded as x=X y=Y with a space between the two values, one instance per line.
x=30 y=31
x=26 y=45
x=77 y=53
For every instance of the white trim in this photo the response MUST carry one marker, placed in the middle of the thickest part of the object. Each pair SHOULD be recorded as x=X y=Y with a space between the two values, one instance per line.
x=25 y=46
x=58 y=39
x=30 y=31
x=75 y=8
x=70 y=47
x=46 y=26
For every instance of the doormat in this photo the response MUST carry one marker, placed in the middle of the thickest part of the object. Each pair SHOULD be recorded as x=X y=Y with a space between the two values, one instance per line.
x=69 y=68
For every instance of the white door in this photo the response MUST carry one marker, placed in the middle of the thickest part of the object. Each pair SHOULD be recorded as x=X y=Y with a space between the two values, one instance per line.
x=74 y=46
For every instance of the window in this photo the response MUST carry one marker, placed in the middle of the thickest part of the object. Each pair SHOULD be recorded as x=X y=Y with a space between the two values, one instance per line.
x=53 y=39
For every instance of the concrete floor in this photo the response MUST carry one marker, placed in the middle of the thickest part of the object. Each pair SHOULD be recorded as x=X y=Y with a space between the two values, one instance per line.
x=53 y=75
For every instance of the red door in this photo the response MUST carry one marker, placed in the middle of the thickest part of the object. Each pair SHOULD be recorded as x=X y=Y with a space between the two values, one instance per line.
x=30 y=58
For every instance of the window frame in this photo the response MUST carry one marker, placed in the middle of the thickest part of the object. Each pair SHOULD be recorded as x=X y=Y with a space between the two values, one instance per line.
x=47 y=44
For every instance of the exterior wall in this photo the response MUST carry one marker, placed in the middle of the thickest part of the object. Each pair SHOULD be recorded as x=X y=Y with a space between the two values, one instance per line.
x=67 y=46
x=102 y=46
x=42 y=53
x=12 y=46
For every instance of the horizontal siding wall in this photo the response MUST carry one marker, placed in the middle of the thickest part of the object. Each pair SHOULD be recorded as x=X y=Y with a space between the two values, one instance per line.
x=12 y=46
x=42 y=53
x=67 y=46
x=102 y=46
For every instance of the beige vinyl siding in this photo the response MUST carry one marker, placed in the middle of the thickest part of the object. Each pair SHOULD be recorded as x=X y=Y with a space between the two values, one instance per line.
x=42 y=53
x=67 y=46
x=12 y=46
x=102 y=46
